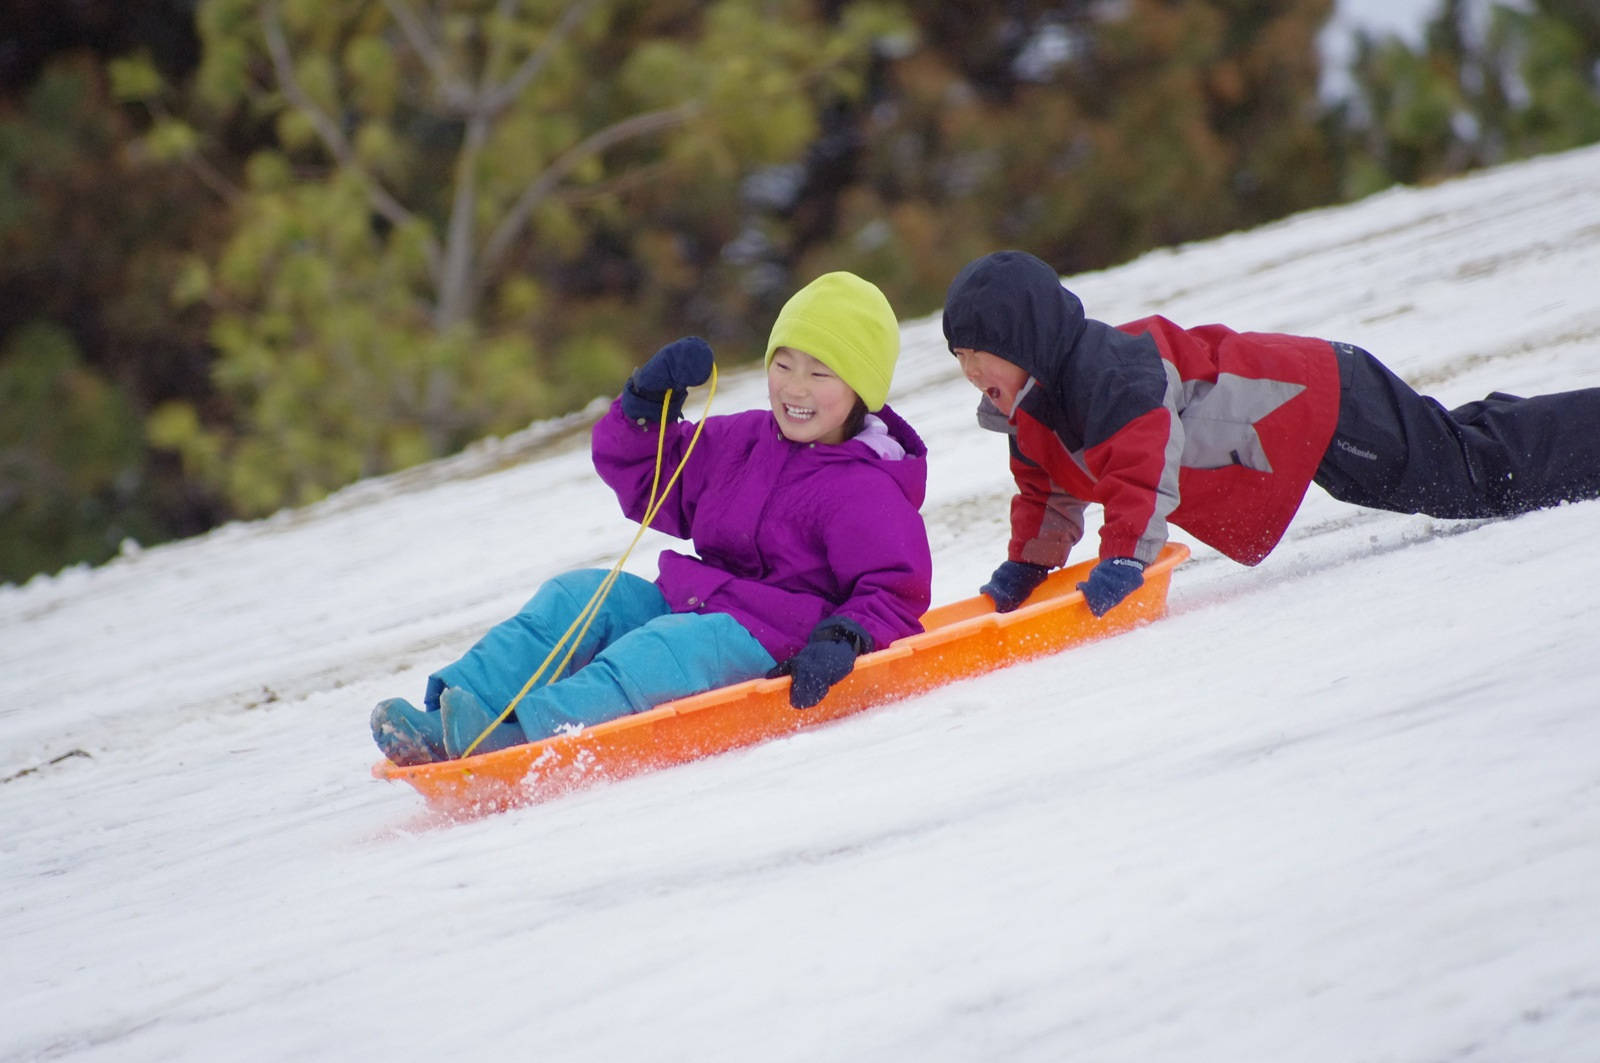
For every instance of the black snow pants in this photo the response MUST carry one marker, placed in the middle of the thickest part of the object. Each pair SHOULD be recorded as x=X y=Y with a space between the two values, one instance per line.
x=1394 y=449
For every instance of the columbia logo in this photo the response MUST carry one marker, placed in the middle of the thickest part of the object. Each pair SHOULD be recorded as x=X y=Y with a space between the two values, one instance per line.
x=1351 y=448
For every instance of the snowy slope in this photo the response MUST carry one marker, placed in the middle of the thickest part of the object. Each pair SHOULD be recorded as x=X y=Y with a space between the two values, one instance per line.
x=1341 y=807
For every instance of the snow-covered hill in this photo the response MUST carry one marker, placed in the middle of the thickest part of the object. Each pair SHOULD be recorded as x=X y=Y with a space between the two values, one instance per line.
x=1341 y=807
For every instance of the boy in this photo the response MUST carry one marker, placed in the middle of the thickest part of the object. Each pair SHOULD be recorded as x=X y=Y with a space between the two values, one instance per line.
x=1221 y=432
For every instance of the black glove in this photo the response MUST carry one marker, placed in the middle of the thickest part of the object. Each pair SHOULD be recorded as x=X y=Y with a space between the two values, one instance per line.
x=1111 y=581
x=677 y=367
x=1012 y=582
x=827 y=657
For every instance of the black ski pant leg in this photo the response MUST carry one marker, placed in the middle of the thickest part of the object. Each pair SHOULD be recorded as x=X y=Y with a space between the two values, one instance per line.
x=1394 y=449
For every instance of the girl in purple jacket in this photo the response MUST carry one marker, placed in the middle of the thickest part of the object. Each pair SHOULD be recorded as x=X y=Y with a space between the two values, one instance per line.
x=808 y=545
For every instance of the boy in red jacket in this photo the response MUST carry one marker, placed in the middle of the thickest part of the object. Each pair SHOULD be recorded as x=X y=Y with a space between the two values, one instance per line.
x=1221 y=432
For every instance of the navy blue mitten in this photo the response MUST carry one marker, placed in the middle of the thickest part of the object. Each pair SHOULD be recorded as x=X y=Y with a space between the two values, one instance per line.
x=827 y=657
x=1111 y=581
x=677 y=367
x=1012 y=582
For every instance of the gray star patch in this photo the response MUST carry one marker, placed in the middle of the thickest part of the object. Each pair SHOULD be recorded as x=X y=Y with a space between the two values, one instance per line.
x=1219 y=420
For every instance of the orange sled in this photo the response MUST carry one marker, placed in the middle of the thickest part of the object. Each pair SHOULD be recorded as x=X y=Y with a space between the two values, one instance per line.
x=962 y=639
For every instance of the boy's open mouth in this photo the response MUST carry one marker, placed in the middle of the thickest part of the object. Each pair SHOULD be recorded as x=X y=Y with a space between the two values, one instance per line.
x=798 y=413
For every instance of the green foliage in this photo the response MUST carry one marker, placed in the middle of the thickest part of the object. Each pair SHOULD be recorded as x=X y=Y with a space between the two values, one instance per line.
x=135 y=79
x=382 y=297
x=1083 y=134
x=69 y=456
x=1415 y=105
x=93 y=229
x=326 y=349
x=1531 y=84
x=1550 y=65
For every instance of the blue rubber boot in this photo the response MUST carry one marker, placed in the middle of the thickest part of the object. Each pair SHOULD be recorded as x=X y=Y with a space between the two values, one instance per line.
x=406 y=734
x=465 y=718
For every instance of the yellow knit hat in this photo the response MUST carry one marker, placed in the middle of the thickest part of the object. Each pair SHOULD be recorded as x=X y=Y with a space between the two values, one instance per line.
x=847 y=324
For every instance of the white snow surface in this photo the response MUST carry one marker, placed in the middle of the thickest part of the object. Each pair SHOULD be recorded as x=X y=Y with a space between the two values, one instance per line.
x=1343 y=806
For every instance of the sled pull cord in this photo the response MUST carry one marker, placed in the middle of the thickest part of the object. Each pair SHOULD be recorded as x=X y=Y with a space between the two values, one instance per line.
x=587 y=614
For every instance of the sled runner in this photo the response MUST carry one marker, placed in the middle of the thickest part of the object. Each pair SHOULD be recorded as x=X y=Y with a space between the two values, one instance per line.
x=961 y=639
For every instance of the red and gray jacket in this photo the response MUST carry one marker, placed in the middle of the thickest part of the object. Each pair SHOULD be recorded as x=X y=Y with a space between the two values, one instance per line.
x=1214 y=431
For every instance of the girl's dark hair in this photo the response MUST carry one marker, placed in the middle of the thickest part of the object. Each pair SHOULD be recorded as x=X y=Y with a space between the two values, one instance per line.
x=856 y=421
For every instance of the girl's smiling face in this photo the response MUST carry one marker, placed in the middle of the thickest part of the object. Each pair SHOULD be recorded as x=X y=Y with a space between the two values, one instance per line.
x=994 y=376
x=809 y=400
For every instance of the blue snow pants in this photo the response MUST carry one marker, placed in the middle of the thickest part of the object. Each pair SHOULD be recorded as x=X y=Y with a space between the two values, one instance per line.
x=1397 y=450
x=636 y=654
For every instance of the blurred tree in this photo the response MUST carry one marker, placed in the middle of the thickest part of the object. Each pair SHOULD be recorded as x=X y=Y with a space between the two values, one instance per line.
x=69 y=456
x=90 y=240
x=398 y=282
x=1407 y=120
x=1542 y=78
x=1485 y=87
x=361 y=233
x=1085 y=131
x=34 y=33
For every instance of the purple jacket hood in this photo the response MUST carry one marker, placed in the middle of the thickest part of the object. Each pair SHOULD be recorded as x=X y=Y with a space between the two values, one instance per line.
x=787 y=534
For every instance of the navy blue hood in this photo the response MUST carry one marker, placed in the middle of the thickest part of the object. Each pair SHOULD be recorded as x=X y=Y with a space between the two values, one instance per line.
x=1095 y=378
x=1012 y=304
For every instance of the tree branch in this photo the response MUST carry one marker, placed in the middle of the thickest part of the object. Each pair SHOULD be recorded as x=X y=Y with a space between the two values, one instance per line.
x=328 y=130
x=640 y=125
x=457 y=278
x=204 y=171
x=506 y=94
x=499 y=44
x=614 y=186
x=454 y=91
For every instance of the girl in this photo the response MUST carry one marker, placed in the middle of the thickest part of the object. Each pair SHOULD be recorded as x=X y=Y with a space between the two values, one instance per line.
x=805 y=521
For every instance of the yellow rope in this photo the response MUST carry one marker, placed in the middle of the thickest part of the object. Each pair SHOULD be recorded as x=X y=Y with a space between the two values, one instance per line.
x=587 y=614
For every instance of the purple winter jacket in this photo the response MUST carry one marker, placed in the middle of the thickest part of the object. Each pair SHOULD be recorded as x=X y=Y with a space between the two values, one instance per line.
x=788 y=533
